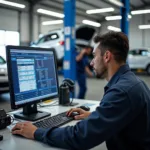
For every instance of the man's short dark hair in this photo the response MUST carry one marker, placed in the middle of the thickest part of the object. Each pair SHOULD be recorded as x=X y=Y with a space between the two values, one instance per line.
x=116 y=42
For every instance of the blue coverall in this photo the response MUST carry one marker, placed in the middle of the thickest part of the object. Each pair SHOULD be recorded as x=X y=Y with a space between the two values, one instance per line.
x=81 y=76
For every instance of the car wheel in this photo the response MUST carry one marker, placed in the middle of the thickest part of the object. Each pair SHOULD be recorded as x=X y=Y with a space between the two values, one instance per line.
x=148 y=70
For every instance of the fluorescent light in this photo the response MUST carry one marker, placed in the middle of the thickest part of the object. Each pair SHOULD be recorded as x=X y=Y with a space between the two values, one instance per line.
x=92 y=23
x=52 y=22
x=144 y=26
x=129 y=16
x=51 y=13
x=118 y=3
x=113 y=18
x=12 y=4
x=108 y=18
x=137 y=12
x=113 y=28
x=103 y=10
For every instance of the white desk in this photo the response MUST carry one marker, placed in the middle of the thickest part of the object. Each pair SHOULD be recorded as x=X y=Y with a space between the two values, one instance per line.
x=13 y=142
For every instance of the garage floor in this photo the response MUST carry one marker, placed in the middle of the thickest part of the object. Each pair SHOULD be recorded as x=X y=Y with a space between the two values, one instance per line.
x=95 y=92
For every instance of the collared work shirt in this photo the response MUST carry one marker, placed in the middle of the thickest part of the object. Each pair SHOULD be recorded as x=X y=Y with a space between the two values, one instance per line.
x=122 y=119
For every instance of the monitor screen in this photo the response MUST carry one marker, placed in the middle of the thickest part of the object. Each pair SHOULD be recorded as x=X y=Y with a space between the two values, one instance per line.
x=33 y=75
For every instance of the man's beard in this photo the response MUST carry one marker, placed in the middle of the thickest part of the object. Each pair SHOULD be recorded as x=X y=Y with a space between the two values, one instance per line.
x=102 y=74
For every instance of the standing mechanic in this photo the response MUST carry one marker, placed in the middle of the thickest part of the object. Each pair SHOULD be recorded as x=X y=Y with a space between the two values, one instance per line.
x=83 y=70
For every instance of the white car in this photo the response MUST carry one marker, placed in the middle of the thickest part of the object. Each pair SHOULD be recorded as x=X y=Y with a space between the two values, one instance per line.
x=3 y=67
x=55 y=39
x=4 y=85
x=139 y=59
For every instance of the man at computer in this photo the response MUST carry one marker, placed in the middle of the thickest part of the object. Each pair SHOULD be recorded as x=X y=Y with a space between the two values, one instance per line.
x=123 y=117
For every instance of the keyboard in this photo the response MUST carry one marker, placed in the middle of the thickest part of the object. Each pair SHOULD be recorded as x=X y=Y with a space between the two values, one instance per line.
x=54 y=121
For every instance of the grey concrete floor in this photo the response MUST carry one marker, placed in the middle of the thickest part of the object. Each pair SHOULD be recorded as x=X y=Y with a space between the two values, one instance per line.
x=95 y=92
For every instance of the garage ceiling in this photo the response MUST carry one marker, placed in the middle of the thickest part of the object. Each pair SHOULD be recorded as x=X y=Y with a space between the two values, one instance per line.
x=83 y=5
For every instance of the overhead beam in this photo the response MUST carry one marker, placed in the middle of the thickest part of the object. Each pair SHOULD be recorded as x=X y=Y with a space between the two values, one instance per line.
x=83 y=10
x=132 y=6
x=142 y=7
x=94 y=6
x=144 y=2
x=89 y=4
x=38 y=1
x=50 y=17
x=111 y=4
x=34 y=1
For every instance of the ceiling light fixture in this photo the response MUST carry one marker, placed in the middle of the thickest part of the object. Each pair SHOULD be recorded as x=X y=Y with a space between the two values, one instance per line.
x=113 y=28
x=50 y=13
x=52 y=22
x=12 y=4
x=108 y=18
x=138 y=12
x=103 y=10
x=144 y=26
x=91 y=23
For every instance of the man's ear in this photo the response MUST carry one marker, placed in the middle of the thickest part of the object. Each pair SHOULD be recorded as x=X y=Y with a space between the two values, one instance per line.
x=107 y=56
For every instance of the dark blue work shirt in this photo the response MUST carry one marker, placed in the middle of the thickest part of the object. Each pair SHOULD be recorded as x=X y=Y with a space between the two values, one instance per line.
x=122 y=119
x=80 y=65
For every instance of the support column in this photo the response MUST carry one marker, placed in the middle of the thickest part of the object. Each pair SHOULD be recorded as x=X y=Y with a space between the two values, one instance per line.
x=143 y=31
x=39 y=25
x=31 y=20
x=69 y=65
x=124 y=14
x=19 y=25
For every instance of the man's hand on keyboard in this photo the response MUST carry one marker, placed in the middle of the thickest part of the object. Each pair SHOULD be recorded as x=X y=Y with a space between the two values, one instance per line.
x=82 y=114
x=25 y=129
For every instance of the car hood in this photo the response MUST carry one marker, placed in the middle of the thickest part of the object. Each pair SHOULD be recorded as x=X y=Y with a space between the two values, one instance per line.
x=84 y=35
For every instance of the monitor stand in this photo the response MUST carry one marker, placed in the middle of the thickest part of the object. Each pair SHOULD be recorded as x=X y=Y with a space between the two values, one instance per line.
x=31 y=113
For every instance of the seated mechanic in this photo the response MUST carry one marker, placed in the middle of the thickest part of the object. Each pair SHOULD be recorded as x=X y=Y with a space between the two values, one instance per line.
x=122 y=118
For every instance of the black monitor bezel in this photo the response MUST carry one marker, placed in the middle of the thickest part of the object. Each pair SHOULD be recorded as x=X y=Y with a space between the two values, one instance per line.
x=9 y=69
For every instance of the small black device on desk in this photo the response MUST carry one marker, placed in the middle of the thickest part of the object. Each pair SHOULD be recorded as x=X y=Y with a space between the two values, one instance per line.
x=65 y=89
x=86 y=108
x=5 y=119
x=1 y=137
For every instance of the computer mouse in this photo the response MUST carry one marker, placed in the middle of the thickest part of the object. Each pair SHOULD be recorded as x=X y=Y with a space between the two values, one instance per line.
x=86 y=108
x=73 y=114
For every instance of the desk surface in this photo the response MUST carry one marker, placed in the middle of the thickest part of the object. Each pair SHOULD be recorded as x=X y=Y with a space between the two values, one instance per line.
x=14 y=142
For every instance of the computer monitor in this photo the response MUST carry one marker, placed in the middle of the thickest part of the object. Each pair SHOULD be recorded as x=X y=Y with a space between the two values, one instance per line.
x=32 y=78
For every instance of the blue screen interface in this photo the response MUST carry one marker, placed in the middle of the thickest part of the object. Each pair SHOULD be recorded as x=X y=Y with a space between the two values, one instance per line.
x=33 y=75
